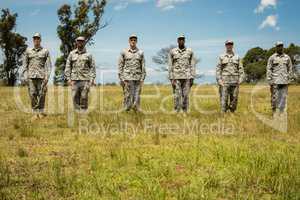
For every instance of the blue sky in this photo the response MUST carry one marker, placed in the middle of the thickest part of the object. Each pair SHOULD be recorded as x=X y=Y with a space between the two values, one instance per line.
x=206 y=24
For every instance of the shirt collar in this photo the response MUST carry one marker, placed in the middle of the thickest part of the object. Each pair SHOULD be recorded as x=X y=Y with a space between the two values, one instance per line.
x=133 y=50
x=277 y=54
x=37 y=49
x=181 y=50
x=81 y=52
x=229 y=54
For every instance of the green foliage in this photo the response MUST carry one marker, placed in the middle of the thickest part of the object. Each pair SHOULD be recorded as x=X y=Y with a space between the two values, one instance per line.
x=13 y=46
x=77 y=23
x=255 y=64
x=256 y=59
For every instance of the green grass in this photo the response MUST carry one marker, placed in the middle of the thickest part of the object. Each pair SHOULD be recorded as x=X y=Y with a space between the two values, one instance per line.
x=159 y=155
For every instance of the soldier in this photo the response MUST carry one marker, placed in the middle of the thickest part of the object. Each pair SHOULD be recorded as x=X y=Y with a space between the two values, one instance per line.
x=132 y=74
x=37 y=69
x=80 y=72
x=280 y=73
x=229 y=74
x=182 y=71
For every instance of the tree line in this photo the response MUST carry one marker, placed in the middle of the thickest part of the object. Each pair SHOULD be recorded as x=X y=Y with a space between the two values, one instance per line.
x=86 y=19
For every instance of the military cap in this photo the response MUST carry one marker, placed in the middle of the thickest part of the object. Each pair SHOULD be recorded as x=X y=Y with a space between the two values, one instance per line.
x=37 y=35
x=80 y=38
x=279 y=43
x=229 y=42
x=133 y=36
x=181 y=37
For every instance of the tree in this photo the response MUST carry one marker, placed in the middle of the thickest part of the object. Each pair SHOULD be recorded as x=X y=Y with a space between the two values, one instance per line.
x=13 y=46
x=77 y=23
x=255 y=62
x=161 y=58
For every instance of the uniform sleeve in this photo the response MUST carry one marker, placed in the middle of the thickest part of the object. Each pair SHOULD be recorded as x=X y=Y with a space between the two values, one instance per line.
x=48 y=65
x=241 y=71
x=291 y=70
x=219 y=70
x=68 y=68
x=170 y=66
x=24 y=74
x=143 y=63
x=92 y=69
x=193 y=65
x=270 y=70
x=121 y=63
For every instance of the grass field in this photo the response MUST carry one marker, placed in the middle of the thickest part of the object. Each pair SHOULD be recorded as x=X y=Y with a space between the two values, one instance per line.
x=152 y=155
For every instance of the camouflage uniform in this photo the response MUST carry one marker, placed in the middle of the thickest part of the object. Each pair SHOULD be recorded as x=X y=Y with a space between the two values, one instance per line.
x=182 y=71
x=279 y=74
x=131 y=73
x=81 y=70
x=37 y=69
x=230 y=71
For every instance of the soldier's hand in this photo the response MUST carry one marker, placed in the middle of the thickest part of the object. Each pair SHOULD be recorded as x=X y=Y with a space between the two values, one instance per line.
x=92 y=83
x=142 y=83
x=173 y=82
x=46 y=81
x=70 y=83
x=221 y=82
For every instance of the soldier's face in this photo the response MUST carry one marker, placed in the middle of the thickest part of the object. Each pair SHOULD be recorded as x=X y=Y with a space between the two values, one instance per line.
x=229 y=47
x=80 y=44
x=37 y=41
x=279 y=49
x=181 y=42
x=132 y=42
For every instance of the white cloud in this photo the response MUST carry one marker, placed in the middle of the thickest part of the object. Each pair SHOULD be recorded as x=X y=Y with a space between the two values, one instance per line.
x=169 y=4
x=270 y=21
x=122 y=4
x=265 y=4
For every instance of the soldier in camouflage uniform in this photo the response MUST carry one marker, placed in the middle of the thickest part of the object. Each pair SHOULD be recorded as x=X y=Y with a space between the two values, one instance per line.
x=280 y=73
x=80 y=72
x=182 y=71
x=132 y=74
x=229 y=74
x=37 y=69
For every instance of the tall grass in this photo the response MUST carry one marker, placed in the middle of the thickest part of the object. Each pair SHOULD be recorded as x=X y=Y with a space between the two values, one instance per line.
x=157 y=155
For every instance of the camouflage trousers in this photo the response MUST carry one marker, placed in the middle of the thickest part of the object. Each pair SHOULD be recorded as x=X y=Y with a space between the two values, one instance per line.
x=181 y=91
x=229 y=97
x=80 y=95
x=278 y=97
x=132 y=90
x=37 y=92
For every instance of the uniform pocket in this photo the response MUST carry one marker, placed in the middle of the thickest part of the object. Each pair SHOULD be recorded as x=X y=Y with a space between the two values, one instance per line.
x=276 y=62
x=236 y=62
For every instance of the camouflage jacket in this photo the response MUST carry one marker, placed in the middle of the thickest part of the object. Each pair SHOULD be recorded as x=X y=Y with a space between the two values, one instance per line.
x=182 y=64
x=132 y=65
x=230 y=69
x=280 y=69
x=36 y=63
x=80 y=66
